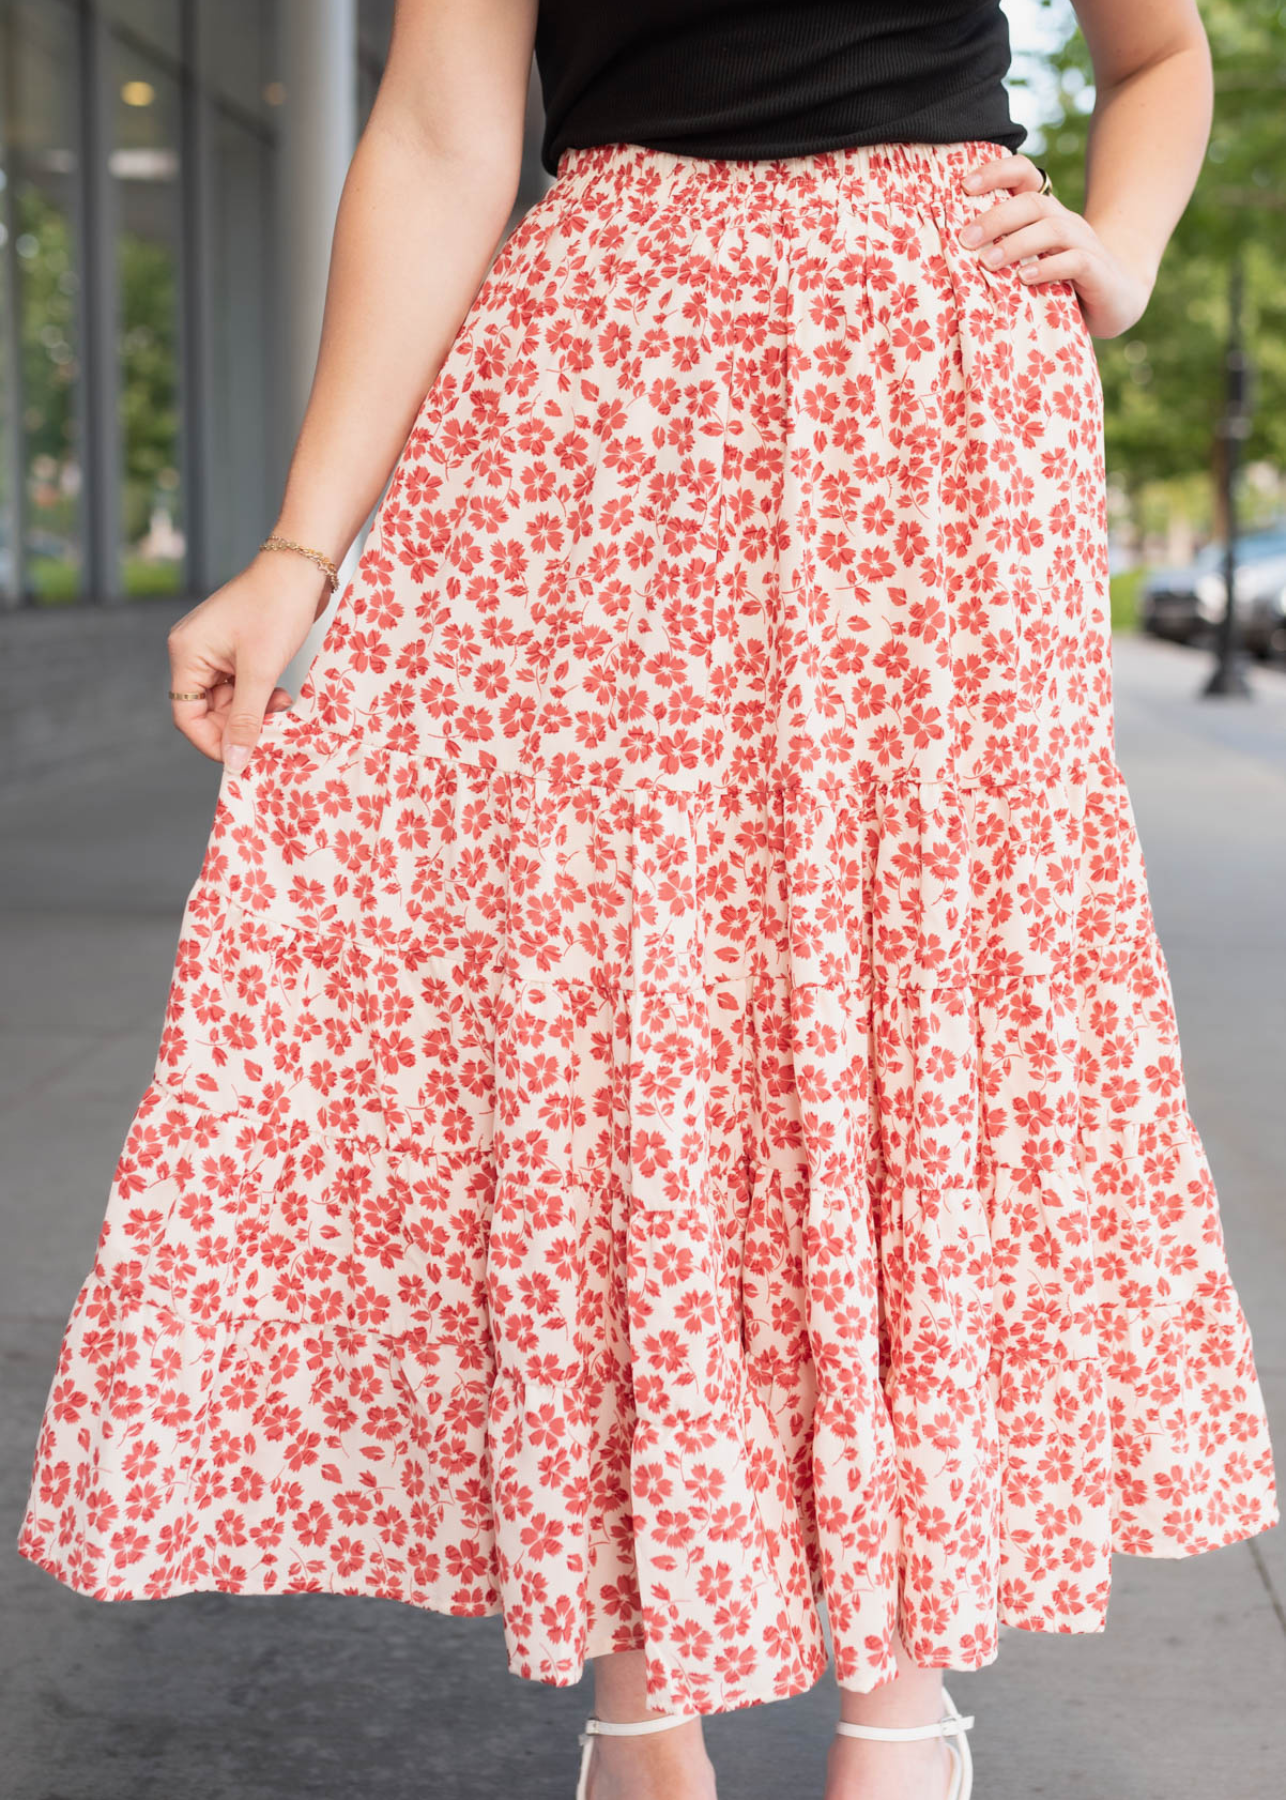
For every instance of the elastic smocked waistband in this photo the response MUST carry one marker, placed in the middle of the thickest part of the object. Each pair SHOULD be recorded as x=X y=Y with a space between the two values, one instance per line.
x=906 y=174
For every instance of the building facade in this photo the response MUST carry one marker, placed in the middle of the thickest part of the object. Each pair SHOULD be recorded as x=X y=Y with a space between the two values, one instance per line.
x=168 y=176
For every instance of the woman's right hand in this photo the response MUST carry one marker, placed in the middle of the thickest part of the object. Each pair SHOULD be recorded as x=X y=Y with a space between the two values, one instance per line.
x=235 y=644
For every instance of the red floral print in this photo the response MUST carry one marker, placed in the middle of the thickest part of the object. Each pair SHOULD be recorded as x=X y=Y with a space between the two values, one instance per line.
x=670 y=1114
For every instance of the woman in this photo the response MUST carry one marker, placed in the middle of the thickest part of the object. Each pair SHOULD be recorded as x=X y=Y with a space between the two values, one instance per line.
x=670 y=1112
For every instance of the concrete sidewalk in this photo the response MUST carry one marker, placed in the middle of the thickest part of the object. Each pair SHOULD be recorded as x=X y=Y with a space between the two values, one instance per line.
x=321 y=1698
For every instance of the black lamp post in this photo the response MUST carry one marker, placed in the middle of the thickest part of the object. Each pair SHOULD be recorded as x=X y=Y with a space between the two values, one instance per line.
x=1229 y=674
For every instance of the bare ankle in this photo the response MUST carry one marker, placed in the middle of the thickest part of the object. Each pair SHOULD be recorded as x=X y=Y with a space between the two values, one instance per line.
x=858 y=1769
x=666 y=1765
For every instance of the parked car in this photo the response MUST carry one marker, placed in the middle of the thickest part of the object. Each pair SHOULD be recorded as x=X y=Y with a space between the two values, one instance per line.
x=1261 y=600
x=1168 y=603
x=1185 y=603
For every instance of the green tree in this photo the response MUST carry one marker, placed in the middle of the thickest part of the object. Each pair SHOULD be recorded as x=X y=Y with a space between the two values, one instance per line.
x=148 y=355
x=149 y=397
x=48 y=329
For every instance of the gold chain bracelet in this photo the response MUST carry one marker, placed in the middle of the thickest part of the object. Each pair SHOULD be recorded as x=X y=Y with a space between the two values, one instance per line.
x=315 y=556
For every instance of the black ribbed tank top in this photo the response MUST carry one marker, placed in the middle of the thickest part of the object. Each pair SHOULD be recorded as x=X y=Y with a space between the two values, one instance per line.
x=755 y=78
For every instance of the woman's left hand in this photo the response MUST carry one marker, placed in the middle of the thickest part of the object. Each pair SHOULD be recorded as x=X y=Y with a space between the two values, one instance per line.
x=1062 y=245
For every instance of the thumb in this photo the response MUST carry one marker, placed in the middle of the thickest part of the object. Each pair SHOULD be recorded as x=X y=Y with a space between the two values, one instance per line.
x=251 y=691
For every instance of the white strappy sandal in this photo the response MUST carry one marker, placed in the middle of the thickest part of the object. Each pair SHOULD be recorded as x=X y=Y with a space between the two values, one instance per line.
x=951 y=1726
x=602 y=1728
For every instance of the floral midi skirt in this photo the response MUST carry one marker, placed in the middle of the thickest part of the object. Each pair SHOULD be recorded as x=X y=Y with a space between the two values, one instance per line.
x=669 y=1116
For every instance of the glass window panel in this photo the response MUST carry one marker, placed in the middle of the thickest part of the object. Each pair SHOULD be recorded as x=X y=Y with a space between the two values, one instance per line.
x=368 y=81
x=145 y=180
x=375 y=27
x=10 y=447
x=240 y=485
x=156 y=21
x=42 y=152
x=238 y=60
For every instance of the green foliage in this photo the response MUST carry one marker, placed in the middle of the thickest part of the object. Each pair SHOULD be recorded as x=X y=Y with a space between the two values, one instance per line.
x=145 y=580
x=1163 y=380
x=47 y=339
x=1125 y=599
x=57 y=583
x=48 y=326
x=53 y=580
x=149 y=399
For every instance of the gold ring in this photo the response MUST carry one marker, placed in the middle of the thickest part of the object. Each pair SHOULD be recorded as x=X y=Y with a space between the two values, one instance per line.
x=1046 y=185
x=203 y=694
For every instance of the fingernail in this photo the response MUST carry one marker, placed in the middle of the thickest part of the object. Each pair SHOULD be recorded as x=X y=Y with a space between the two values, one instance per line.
x=970 y=234
x=235 y=758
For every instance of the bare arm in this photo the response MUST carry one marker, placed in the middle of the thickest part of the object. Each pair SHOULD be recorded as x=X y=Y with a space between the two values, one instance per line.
x=427 y=195
x=1152 y=109
x=1153 y=106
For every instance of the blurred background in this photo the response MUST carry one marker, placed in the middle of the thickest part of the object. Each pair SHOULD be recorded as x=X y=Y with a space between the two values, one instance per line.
x=169 y=171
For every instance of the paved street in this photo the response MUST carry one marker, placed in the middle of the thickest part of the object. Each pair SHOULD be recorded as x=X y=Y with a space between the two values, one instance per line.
x=320 y=1698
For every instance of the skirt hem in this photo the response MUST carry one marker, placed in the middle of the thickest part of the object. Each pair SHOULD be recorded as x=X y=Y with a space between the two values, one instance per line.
x=1093 y=1623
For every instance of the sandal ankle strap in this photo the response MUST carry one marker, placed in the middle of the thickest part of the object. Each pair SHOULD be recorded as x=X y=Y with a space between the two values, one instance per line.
x=952 y=1724
x=626 y=1728
x=904 y=1734
x=632 y=1728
